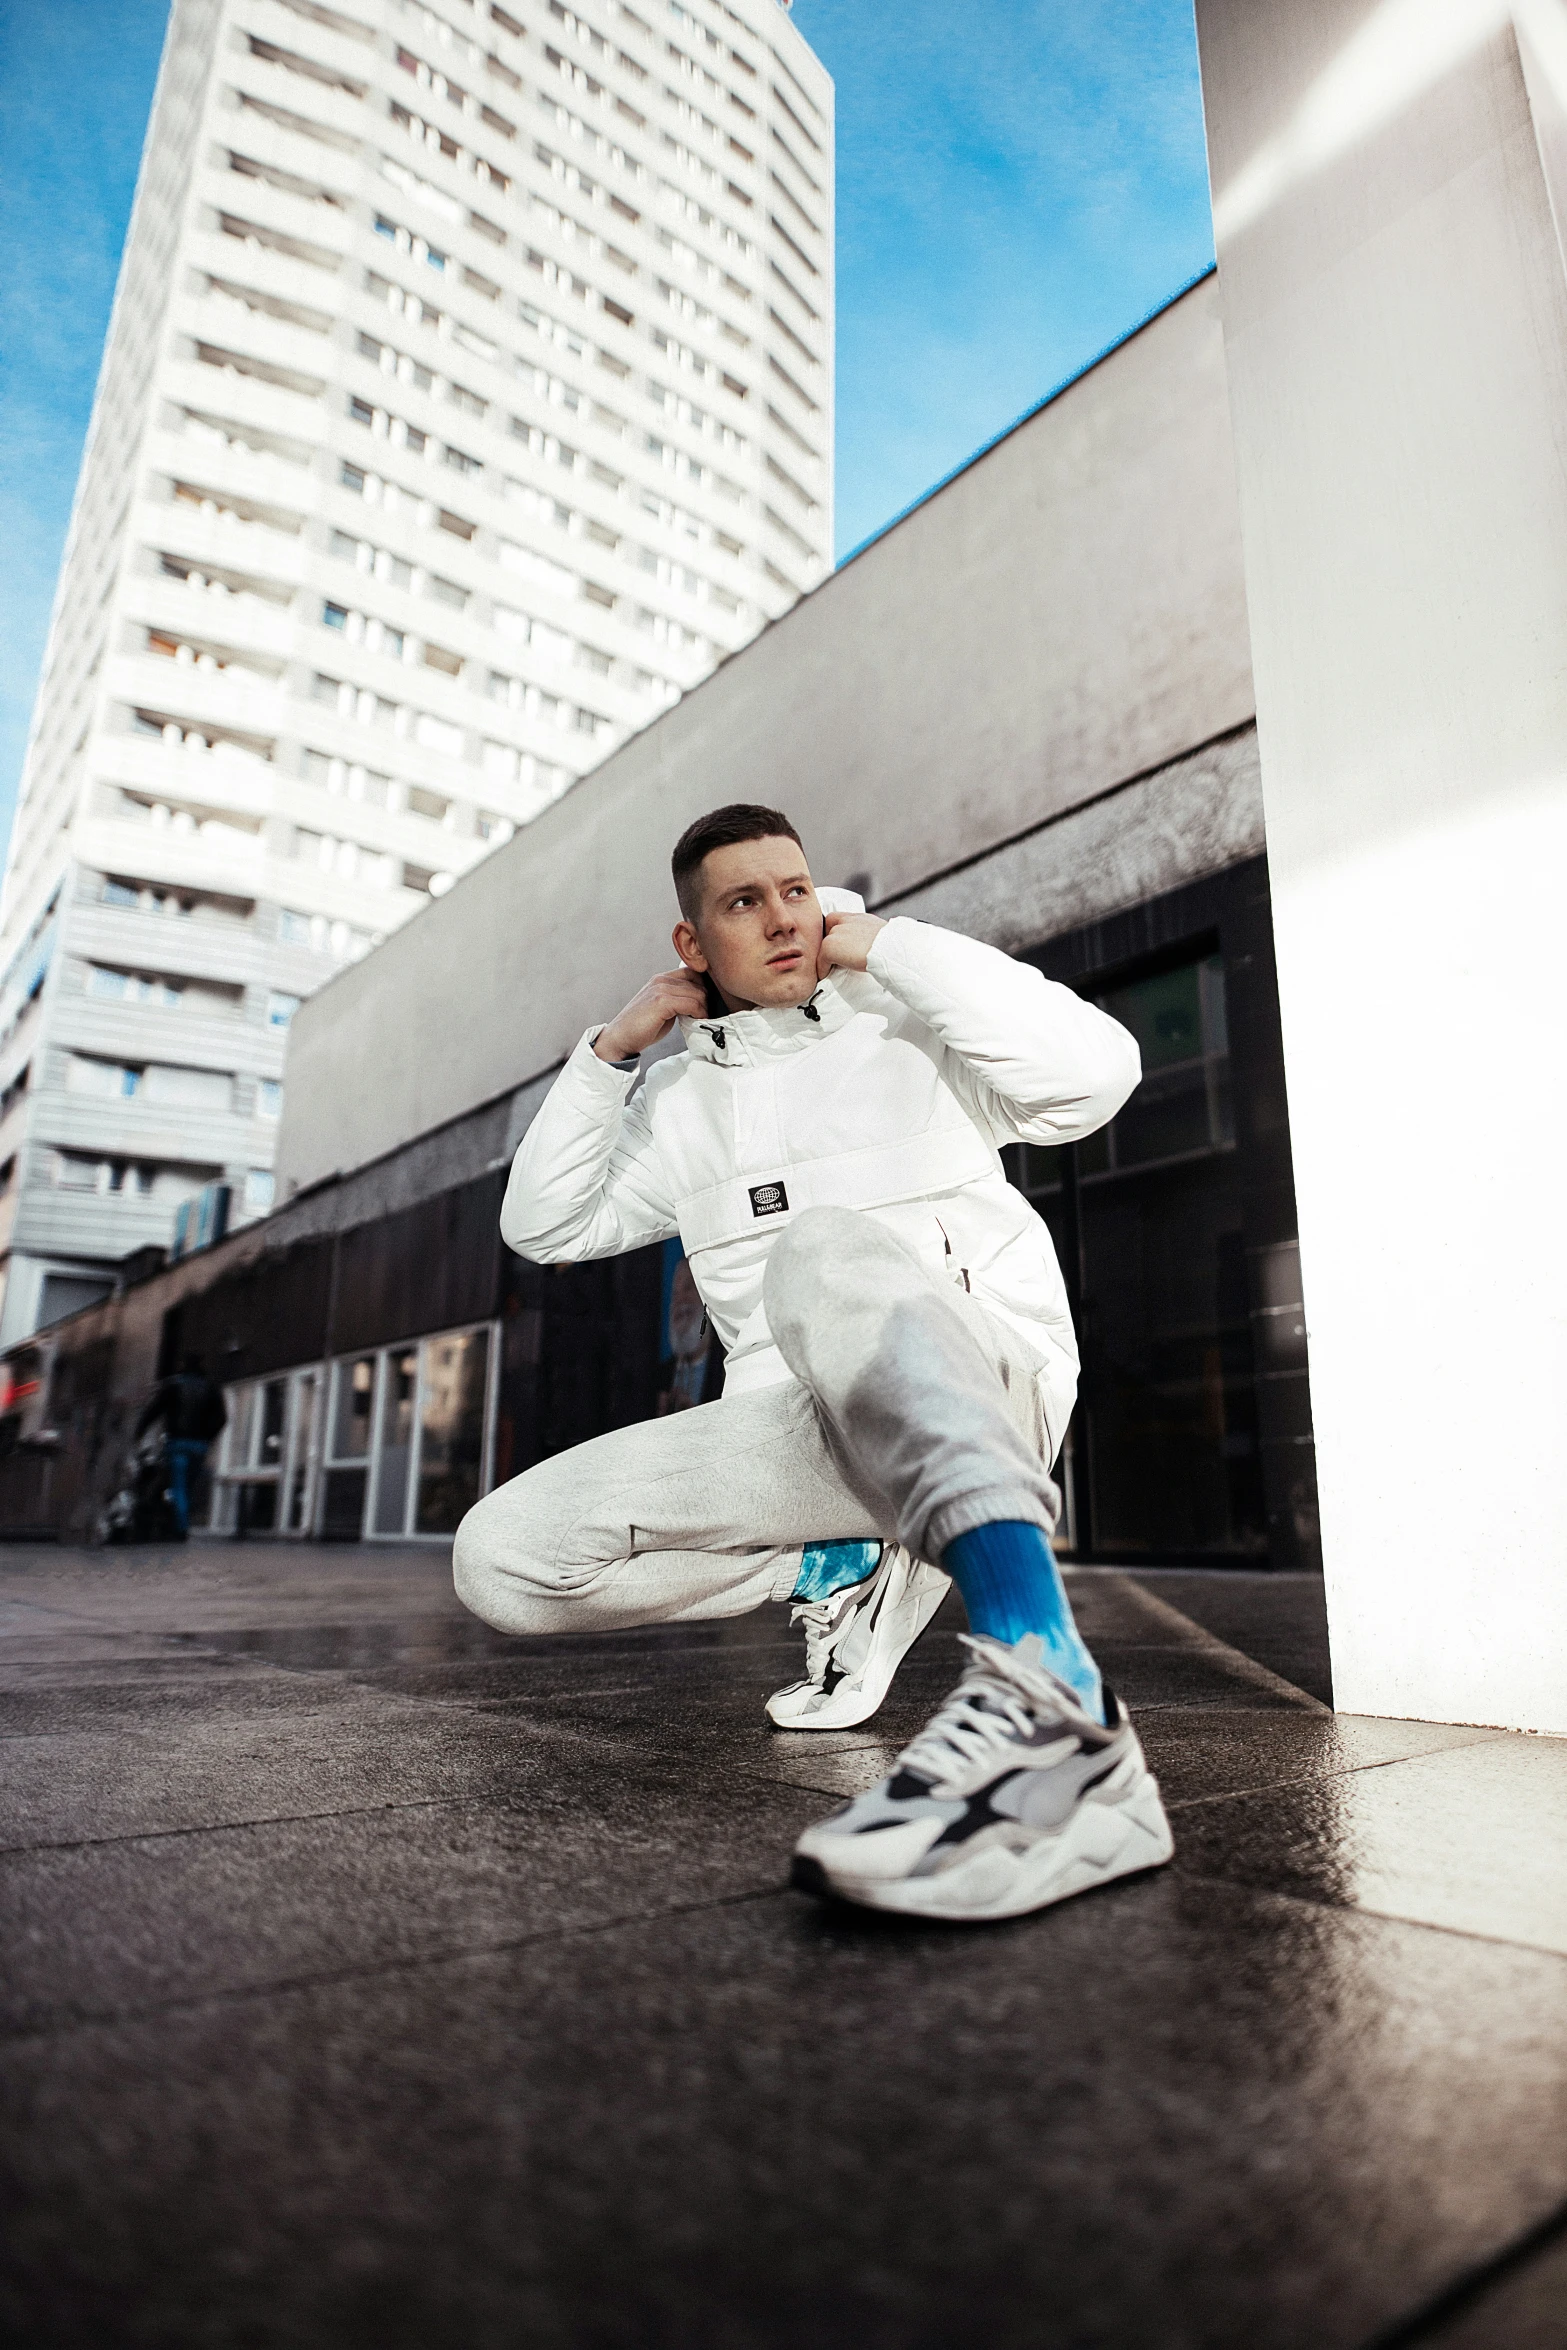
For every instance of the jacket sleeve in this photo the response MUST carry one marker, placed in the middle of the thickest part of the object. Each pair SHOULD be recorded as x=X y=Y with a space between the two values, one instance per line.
x=586 y=1180
x=1029 y=1060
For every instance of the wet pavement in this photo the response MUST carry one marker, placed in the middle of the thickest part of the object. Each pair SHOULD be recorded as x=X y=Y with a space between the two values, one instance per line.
x=371 y=1980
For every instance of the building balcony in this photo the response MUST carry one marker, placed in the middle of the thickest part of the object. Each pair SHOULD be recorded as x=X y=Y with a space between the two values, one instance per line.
x=313 y=99
x=181 y=947
x=98 y=1127
x=264 y=141
x=52 y=1222
x=180 y=1039
x=259 y=266
x=247 y=399
x=209 y=615
x=217 y=319
x=211 y=537
x=221 y=780
x=196 y=695
x=358 y=61
x=423 y=840
x=383 y=747
x=319 y=228
x=307 y=888
x=13 y=1126
x=225 y=469
x=184 y=860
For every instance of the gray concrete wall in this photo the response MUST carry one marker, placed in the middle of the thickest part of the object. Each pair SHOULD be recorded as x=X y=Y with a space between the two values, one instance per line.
x=1192 y=817
x=1064 y=617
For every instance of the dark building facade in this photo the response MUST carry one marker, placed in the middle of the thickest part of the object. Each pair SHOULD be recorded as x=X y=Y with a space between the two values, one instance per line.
x=1175 y=1227
x=385 y=1364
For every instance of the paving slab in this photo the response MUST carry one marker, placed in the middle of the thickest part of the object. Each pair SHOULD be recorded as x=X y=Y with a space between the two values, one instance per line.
x=369 y=1979
x=1180 y=2113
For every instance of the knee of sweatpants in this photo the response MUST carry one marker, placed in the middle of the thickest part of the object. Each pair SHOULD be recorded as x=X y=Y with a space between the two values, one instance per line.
x=496 y=1576
x=826 y=1259
x=801 y=1261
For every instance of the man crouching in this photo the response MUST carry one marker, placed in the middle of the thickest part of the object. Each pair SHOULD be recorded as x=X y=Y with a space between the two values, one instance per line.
x=900 y=1362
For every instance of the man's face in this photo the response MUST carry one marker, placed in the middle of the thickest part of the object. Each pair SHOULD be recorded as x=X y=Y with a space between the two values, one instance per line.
x=758 y=928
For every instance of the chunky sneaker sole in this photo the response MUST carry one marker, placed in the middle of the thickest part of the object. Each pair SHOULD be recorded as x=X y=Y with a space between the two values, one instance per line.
x=1012 y=1799
x=868 y=1640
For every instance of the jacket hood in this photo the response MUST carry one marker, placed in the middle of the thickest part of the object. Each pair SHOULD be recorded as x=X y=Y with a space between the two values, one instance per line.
x=738 y=1040
x=741 y=1039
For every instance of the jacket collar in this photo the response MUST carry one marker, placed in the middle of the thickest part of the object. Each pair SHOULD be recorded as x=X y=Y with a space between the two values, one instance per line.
x=740 y=1040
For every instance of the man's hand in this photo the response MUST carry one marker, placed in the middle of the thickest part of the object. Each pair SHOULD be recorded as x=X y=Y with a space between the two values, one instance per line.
x=652 y=1012
x=847 y=941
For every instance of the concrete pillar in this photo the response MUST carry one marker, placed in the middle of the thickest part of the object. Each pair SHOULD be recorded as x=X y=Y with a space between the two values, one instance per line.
x=1395 y=314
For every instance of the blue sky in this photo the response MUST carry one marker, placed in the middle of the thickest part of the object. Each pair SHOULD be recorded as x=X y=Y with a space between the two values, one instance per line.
x=1019 y=182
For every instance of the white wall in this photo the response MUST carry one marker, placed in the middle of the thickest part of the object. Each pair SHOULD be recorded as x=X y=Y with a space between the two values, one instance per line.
x=1067 y=614
x=1396 y=332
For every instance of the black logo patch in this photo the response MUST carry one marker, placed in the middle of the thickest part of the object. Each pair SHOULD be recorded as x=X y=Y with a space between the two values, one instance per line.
x=769 y=1199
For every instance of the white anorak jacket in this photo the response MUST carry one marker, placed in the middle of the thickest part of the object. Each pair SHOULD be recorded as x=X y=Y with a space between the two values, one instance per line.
x=891 y=1092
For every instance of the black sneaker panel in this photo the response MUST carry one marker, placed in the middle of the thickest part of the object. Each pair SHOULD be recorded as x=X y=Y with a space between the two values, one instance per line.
x=978 y=1812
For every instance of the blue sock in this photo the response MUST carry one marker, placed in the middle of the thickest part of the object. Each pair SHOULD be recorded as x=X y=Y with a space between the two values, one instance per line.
x=832 y=1566
x=1011 y=1585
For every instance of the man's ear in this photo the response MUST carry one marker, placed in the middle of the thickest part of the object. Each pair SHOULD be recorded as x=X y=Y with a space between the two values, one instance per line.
x=688 y=947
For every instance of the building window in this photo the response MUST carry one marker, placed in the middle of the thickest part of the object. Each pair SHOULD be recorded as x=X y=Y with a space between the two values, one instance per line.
x=132 y=987
x=335 y=615
x=281 y=1009
x=269 y=1098
x=105 y=1080
x=1183 y=1106
x=258 y=1189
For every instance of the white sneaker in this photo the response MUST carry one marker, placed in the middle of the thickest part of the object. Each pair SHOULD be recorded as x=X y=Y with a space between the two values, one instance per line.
x=855 y=1642
x=1012 y=1797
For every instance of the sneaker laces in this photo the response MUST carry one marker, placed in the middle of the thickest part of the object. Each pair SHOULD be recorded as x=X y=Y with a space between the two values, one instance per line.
x=823 y=1619
x=990 y=1708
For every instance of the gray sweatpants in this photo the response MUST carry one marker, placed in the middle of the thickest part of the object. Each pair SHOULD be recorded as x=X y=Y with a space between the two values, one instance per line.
x=912 y=1412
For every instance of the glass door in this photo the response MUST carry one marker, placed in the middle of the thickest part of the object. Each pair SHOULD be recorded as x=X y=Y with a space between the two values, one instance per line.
x=300 y=1481
x=452 y=1429
x=345 y=1470
x=394 y=1458
x=250 y=1473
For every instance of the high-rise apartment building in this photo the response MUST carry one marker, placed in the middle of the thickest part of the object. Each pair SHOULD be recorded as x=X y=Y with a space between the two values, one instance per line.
x=467 y=396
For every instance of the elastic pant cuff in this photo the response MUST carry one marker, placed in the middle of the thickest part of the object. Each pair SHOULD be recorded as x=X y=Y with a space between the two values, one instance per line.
x=1017 y=1504
x=787 y=1576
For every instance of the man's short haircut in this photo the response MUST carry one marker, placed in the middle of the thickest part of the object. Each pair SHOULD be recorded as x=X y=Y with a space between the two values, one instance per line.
x=742 y=820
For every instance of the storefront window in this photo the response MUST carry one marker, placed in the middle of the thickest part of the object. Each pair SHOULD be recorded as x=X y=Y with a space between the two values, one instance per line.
x=389 y=1443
